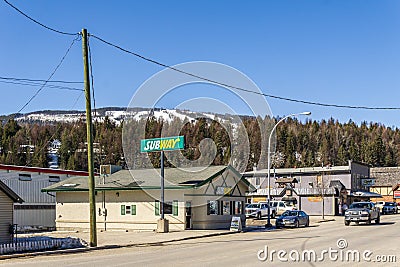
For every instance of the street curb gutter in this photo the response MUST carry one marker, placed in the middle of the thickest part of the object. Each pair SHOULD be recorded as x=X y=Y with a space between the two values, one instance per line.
x=87 y=249
x=326 y=220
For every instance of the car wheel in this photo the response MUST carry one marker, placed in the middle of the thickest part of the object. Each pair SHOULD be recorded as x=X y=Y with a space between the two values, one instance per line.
x=307 y=223
x=378 y=220
x=369 y=220
x=347 y=223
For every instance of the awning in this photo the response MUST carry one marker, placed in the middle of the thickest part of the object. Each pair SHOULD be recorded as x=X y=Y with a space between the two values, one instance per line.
x=365 y=194
x=337 y=184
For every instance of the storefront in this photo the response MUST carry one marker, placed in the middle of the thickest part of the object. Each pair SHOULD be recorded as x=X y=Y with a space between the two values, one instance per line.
x=194 y=199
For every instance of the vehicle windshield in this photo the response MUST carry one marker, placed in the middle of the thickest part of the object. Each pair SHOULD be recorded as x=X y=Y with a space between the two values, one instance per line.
x=389 y=204
x=252 y=206
x=290 y=213
x=360 y=206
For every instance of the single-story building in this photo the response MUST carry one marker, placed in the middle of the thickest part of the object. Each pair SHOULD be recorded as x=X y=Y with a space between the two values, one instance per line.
x=7 y=199
x=195 y=198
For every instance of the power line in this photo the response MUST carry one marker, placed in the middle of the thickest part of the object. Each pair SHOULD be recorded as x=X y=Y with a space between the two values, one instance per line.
x=240 y=88
x=91 y=76
x=44 y=146
x=37 y=22
x=51 y=75
x=39 y=84
x=37 y=80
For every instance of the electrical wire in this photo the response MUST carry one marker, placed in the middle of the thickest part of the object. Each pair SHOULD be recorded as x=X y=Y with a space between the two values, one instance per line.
x=34 y=84
x=28 y=163
x=91 y=77
x=239 y=88
x=51 y=75
x=37 y=80
x=37 y=22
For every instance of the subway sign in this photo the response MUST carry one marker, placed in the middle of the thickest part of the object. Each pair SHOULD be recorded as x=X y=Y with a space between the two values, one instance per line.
x=159 y=144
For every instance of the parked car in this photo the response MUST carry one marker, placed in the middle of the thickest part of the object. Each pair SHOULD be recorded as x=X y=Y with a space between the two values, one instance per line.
x=362 y=212
x=259 y=210
x=390 y=208
x=379 y=205
x=281 y=206
x=292 y=218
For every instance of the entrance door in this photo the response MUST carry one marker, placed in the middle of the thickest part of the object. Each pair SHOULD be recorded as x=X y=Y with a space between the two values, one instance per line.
x=188 y=215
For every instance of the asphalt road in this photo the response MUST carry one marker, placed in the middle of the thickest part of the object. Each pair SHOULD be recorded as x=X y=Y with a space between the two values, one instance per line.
x=334 y=244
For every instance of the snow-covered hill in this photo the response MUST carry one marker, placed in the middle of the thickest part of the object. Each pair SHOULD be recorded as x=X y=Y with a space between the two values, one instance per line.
x=116 y=115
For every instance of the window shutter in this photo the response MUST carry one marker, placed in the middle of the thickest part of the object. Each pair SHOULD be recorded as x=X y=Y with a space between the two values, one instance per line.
x=175 y=208
x=220 y=204
x=133 y=210
x=208 y=207
x=157 y=207
x=122 y=209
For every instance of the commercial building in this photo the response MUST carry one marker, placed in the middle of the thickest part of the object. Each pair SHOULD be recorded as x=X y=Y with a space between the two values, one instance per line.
x=385 y=181
x=312 y=188
x=195 y=198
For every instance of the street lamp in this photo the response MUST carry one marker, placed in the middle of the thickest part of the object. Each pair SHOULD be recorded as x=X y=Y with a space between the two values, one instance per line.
x=269 y=160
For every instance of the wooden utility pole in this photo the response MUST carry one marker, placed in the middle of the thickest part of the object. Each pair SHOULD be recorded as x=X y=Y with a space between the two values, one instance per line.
x=89 y=133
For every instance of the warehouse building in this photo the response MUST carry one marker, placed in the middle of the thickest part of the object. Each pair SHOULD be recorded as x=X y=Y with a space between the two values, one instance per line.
x=38 y=210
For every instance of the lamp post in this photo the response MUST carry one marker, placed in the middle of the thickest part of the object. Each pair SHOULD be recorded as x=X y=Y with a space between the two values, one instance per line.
x=269 y=160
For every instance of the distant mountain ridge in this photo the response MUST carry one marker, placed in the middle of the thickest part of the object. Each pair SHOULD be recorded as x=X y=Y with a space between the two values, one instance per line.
x=115 y=114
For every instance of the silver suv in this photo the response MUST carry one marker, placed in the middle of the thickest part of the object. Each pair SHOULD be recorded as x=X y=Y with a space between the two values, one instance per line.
x=362 y=212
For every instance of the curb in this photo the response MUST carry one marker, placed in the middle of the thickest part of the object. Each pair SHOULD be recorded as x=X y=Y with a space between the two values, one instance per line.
x=326 y=220
x=87 y=249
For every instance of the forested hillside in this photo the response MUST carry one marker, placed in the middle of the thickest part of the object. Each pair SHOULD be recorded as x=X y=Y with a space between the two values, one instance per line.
x=298 y=144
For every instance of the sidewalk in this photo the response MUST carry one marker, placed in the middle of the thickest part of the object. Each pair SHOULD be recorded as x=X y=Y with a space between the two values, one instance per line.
x=117 y=239
x=134 y=238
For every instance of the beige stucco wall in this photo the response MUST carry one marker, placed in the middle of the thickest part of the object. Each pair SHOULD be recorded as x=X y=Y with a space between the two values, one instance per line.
x=72 y=210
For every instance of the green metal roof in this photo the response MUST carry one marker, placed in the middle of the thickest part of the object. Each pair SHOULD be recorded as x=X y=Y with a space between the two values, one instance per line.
x=175 y=178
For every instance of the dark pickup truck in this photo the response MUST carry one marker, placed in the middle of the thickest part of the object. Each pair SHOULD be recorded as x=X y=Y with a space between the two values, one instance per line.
x=362 y=212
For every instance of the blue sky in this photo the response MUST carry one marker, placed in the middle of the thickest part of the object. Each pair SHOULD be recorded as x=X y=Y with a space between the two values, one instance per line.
x=338 y=52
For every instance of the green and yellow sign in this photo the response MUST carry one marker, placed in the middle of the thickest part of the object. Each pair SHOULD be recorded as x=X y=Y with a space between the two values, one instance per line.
x=159 y=144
